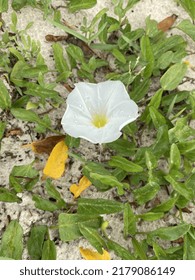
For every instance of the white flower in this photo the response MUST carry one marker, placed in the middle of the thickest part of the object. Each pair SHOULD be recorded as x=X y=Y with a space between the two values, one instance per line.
x=97 y=112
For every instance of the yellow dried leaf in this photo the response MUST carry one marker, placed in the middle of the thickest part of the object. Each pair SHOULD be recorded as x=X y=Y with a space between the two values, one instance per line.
x=46 y=145
x=84 y=183
x=55 y=164
x=92 y=255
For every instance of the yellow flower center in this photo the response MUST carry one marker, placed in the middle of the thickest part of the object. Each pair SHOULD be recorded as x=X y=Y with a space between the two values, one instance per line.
x=99 y=120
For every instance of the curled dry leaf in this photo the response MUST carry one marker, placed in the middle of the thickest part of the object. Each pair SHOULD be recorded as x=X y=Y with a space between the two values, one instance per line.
x=84 y=183
x=167 y=23
x=54 y=38
x=55 y=164
x=46 y=145
x=92 y=255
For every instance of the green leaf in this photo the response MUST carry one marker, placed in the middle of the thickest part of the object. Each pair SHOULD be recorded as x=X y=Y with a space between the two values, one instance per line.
x=69 y=225
x=21 y=102
x=187 y=27
x=181 y=188
x=98 y=206
x=151 y=161
x=140 y=88
x=157 y=118
x=60 y=62
x=124 y=164
x=120 y=251
x=17 y=54
x=93 y=237
x=25 y=115
x=49 y=250
x=75 y=52
x=72 y=142
x=139 y=249
x=154 y=103
x=16 y=74
x=69 y=30
x=180 y=96
x=151 y=27
x=190 y=183
x=106 y=179
x=181 y=132
x=146 y=193
x=123 y=147
x=129 y=220
x=187 y=149
x=56 y=201
x=18 y=4
x=51 y=190
x=151 y=216
x=3 y=6
x=119 y=56
x=35 y=241
x=11 y=242
x=189 y=245
x=147 y=55
x=2 y=129
x=5 y=100
x=165 y=60
x=8 y=196
x=92 y=167
x=159 y=252
x=23 y=177
x=173 y=76
x=175 y=42
x=30 y=72
x=175 y=157
x=161 y=145
x=166 y=205
x=41 y=91
x=44 y=204
x=29 y=116
x=170 y=233
x=189 y=6
x=76 y=5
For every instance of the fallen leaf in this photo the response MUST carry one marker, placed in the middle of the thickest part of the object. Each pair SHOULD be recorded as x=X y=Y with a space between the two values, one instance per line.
x=166 y=23
x=92 y=255
x=84 y=183
x=55 y=164
x=46 y=145
x=53 y=38
x=14 y=132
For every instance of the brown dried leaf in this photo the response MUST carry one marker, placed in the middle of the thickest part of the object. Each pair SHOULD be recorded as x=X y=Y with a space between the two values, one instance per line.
x=53 y=38
x=14 y=132
x=46 y=145
x=167 y=23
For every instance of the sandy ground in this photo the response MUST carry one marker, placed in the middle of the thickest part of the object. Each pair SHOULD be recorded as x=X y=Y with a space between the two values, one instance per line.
x=12 y=153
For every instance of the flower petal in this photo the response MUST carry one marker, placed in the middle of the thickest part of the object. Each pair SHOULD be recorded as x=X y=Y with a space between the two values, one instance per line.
x=108 y=98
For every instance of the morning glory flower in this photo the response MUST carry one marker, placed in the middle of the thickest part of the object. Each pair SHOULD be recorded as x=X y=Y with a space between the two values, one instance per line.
x=98 y=112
